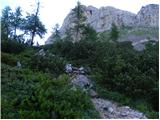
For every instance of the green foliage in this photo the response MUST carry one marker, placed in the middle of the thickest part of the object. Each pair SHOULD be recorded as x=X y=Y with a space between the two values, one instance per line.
x=114 y=32
x=12 y=46
x=89 y=34
x=121 y=73
x=79 y=20
x=139 y=104
x=27 y=94
x=79 y=52
x=56 y=33
x=8 y=59
x=118 y=67
x=145 y=108
x=12 y=58
x=17 y=21
x=48 y=63
x=13 y=21
x=34 y=26
x=6 y=23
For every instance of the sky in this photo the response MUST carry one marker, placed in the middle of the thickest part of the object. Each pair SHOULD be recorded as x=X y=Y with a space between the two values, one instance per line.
x=54 y=11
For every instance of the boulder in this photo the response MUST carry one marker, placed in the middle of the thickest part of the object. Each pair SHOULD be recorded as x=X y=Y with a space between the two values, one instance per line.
x=93 y=94
x=81 y=81
x=19 y=64
x=41 y=52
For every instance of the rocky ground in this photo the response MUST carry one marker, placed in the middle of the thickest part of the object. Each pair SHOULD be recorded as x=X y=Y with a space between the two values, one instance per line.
x=111 y=110
x=107 y=108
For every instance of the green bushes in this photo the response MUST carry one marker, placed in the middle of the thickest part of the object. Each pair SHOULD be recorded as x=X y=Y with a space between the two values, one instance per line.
x=12 y=46
x=27 y=94
x=8 y=59
x=119 y=67
x=48 y=63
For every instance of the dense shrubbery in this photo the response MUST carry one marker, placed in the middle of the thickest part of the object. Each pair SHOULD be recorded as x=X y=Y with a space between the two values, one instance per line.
x=12 y=46
x=119 y=71
x=8 y=59
x=121 y=68
x=26 y=94
x=48 y=63
x=132 y=73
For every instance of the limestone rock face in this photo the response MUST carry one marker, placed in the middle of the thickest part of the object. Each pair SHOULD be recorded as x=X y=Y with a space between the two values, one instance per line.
x=102 y=19
x=148 y=16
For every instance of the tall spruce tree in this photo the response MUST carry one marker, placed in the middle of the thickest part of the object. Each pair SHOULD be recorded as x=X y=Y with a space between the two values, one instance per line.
x=16 y=21
x=114 y=34
x=6 y=23
x=79 y=21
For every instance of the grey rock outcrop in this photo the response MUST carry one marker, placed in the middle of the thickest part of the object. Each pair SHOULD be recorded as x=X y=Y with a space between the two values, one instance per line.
x=81 y=81
x=102 y=19
x=148 y=16
x=41 y=52
x=19 y=64
x=93 y=93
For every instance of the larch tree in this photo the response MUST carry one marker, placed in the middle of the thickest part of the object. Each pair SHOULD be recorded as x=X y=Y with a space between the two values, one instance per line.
x=34 y=26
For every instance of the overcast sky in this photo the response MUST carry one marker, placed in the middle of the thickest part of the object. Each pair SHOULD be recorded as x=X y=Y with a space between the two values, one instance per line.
x=54 y=11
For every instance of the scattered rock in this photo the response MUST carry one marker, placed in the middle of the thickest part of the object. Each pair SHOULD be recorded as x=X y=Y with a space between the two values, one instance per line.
x=93 y=94
x=107 y=109
x=41 y=52
x=127 y=107
x=19 y=64
x=111 y=110
x=82 y=81
x=124 y=114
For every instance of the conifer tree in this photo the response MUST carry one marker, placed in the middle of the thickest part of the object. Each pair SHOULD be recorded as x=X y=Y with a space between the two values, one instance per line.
x=56 y=32
x=79 y=20
x=34 y=26
x=16 y=21
x=6 y=23
x=114 y=34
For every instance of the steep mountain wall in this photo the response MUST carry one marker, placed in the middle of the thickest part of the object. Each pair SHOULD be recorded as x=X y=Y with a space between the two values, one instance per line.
x=102 y=19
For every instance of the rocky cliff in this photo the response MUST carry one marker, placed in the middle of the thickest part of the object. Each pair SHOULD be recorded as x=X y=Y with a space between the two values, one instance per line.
x=102 y=19
x=148 y=16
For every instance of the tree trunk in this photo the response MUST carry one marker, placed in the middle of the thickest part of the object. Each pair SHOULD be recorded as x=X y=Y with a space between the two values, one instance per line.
x=33 y=34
